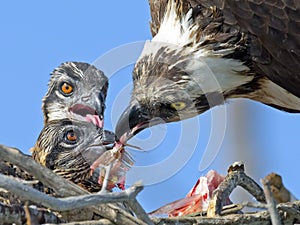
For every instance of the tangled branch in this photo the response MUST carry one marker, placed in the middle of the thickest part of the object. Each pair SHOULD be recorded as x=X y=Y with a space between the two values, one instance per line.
x=65 y=188
x=72 y=201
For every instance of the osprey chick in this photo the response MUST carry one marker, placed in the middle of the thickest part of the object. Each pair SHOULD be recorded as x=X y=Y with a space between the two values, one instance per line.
x=76 y=90
x=70 y=148
x=203 y=53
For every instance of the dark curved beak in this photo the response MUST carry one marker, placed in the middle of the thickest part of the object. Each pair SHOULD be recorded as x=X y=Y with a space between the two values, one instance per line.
x=108 y=137
x=133 y=120
x=96 y=100
x=91 y=107
x=102 y=143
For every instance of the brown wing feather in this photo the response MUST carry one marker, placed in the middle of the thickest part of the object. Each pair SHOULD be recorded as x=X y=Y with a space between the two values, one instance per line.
x=157 y=10
x=275 y=29
x=276 y=25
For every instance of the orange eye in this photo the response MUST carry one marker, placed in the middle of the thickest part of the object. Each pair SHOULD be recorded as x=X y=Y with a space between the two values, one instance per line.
x=66 y=88
x=71 y=136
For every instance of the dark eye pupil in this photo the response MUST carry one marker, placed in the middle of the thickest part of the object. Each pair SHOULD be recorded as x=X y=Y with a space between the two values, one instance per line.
x=66 y=88
x=71 y=136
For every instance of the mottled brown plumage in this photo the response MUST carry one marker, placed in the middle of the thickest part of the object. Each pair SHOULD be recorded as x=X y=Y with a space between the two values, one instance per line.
x=279 y=191
x=273 y=27
x=204 y=52
x=70 y=147
x=11 y=170
x=71 y=159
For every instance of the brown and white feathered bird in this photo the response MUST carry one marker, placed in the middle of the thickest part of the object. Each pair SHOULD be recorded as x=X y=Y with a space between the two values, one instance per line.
x=70 y=148
x=76 y=90
x=204 y=52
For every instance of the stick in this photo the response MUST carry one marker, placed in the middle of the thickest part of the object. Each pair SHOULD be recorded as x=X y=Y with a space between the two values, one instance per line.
x=271 y=203
x=236 y=176
x=64 y=187
x=68 y=203
x=16 y=215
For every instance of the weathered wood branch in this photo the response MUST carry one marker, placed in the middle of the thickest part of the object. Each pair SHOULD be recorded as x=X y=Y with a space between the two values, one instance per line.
x=64 y=187
x=139 y=211
x=15 y=214
x=91 y=222
x=236 y=177
x=68 y=203
x=288 y=213
x=271 y=203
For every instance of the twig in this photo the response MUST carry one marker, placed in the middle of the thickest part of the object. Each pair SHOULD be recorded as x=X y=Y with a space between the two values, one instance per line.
x=289 y=214
x=92 y=222
x=236 y=176
x=257 y=205
x=64 y=187
x=260 y=218
x=46 y=176
x=27 y=214
x=271 y=203
x=27 y=182
x=106 y=178
x=292 y=209
x=16 y=215
x=132 y=202
x=67 y=203
x=139 y=211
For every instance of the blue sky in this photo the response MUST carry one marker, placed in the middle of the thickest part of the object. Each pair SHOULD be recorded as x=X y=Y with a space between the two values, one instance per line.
x=35 y=37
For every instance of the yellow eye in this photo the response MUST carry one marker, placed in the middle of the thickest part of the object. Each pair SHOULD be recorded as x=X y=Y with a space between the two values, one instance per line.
x=178 y=105
x=66 y=88
x=71 y=136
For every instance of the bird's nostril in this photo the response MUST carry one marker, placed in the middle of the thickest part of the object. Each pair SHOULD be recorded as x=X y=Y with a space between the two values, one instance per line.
x=85 y=98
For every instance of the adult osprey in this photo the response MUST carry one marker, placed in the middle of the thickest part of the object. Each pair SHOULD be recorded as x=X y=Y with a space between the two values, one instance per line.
x=206 y=51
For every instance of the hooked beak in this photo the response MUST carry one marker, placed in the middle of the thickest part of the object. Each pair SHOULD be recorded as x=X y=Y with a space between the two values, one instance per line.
x=133 y=120
x=91 y=108
x=102 y=143
x=108 y=137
